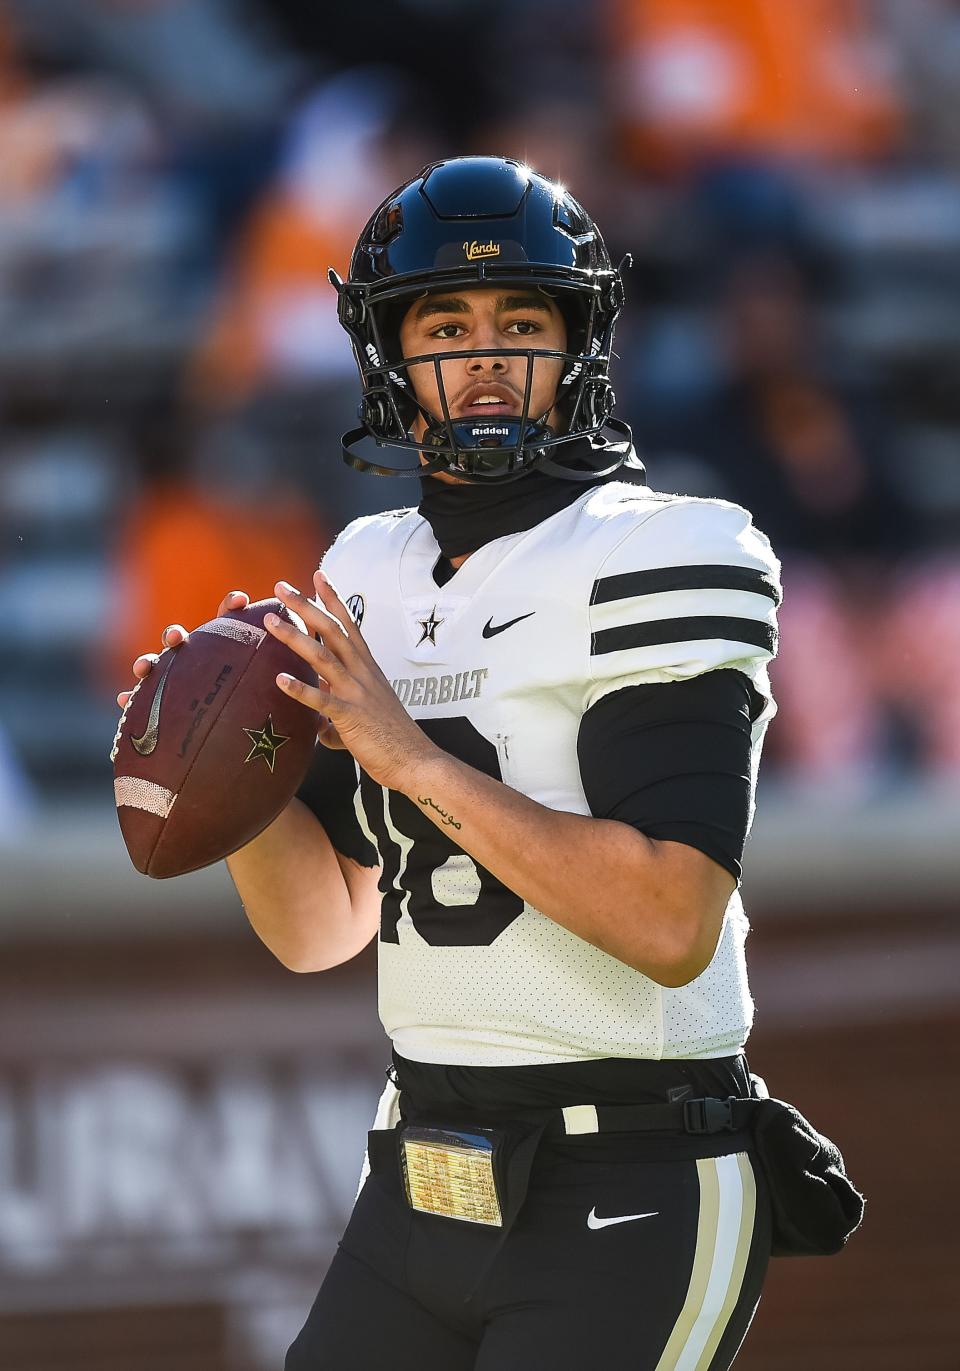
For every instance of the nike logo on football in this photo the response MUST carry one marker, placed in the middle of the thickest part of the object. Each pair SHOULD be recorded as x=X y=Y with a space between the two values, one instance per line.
x=594 y=1222
x=490 y=632
x=148 y=742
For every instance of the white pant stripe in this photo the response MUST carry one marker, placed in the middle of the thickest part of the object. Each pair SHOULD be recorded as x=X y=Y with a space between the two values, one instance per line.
x=728 y=1209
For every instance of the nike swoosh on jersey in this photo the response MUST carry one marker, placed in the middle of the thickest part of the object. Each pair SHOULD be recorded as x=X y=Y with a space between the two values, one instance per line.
x=490 y=632
x=148 y=740
x=594 y=1222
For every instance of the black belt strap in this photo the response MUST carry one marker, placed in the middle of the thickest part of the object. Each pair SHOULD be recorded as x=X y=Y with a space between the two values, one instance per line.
x=701 y=1116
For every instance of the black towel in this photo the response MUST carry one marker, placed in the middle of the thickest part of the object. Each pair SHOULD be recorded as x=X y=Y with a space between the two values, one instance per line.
x=815 y=1204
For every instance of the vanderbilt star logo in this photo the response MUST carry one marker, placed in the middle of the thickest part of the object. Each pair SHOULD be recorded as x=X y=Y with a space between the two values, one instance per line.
x=429 y=626
x=266 y=743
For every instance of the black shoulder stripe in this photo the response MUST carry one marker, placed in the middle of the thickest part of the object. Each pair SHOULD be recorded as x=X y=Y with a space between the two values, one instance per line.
x=658 y=579
x=684 y=631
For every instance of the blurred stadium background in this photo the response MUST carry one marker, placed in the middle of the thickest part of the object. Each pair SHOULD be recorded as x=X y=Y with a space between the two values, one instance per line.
x=181 y=1119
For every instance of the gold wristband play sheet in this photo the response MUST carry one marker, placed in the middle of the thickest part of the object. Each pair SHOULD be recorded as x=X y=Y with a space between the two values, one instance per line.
x=449 y=1172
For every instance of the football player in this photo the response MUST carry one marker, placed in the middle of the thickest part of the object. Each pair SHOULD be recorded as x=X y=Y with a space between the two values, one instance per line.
x=543 y=697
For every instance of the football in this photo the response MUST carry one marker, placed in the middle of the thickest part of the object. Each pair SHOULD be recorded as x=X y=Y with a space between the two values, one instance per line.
x=209 y=749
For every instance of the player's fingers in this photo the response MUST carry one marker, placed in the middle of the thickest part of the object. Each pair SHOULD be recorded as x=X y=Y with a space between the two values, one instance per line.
x=316 y=618
x=327 y=735
x=315 y=654
x=144 y=664
x=141 y=668
x=314 y=697
x=174 y=635
x=234 y=599
x=332 y=603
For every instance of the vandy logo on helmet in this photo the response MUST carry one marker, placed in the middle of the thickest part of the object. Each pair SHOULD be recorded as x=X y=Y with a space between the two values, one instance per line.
x=474 y=250
x=423 y=240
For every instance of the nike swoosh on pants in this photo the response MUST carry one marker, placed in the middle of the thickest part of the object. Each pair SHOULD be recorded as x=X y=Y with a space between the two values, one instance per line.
x=594 y=1222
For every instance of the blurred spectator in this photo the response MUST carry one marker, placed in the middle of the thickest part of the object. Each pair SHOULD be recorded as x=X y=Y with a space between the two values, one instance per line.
x=867 y=675
x=10 y=73
x=89 y=231
x=786 y=437
x=17 y=800
x=219 y=518
x=807 y=452
x=275 y=320
x=915 y=651
x=702 y=77
x=445 y=50
x=213 y=73
x=199 y=63
x=926 y=34
x=806 y=458
x=80 y=136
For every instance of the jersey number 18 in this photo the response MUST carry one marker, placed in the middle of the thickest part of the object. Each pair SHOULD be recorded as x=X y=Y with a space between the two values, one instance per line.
x=451 y=901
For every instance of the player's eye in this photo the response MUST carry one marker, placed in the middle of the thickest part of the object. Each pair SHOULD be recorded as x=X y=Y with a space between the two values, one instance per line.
x=448 y=331
x=523 y=326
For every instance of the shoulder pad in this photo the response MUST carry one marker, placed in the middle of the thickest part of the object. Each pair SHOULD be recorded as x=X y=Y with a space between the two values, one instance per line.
x=690 y=586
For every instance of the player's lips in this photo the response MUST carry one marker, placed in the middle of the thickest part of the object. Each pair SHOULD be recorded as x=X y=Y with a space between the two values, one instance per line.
x=488 y=397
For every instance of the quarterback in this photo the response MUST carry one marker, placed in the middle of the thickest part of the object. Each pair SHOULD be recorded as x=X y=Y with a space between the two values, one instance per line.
x=543 y=697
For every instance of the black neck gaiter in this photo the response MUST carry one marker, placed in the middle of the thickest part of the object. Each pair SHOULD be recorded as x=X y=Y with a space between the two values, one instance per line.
x=466 y=517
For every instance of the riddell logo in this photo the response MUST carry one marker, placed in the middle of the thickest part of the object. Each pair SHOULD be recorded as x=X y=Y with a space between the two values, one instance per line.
x=474 y=250
x=374 y=357
x=489 y=432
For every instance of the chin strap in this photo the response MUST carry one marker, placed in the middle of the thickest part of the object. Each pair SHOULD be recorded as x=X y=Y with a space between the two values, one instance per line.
x=604 y=457
x=591 y=458
x=352 y=440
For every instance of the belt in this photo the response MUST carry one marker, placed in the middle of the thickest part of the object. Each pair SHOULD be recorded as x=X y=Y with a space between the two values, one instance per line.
x=697 y=1117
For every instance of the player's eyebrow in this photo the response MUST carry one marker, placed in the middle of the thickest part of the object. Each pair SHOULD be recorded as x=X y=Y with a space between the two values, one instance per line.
x=441 y=304
x=453 y=304
x=508 y=302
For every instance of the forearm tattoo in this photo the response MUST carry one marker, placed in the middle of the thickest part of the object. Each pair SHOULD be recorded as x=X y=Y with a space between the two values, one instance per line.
x=447 y=819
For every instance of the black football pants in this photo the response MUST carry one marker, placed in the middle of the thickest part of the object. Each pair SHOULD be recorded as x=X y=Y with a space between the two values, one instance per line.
x=645 y=1265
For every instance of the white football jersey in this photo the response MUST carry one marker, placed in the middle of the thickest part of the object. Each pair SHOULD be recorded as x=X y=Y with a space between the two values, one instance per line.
x=623 y=587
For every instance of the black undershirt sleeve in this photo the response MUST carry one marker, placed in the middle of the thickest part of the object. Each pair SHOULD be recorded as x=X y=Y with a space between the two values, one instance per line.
x=328 y=790
x=673 y=761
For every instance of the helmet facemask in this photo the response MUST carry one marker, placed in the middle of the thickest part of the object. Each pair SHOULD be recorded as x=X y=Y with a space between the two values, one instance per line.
x=484 y=450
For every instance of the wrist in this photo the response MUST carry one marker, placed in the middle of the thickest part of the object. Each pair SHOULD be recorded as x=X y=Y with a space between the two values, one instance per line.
x=425 y=772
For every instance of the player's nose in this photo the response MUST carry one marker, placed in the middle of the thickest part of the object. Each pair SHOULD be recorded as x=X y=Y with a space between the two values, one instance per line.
x=494 y=364
x=486 y=336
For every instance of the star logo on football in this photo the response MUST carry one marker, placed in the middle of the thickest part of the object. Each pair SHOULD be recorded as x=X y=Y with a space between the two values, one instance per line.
x=429 y=627
x=266 y=743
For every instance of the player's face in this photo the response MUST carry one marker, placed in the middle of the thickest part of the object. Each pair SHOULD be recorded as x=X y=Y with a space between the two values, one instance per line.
x=503 y=317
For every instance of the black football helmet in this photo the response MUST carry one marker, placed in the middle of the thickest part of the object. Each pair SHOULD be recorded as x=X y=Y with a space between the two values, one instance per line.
x=459 y=224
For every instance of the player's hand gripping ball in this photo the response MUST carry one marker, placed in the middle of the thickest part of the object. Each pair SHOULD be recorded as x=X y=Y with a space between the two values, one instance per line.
x=209 y=750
